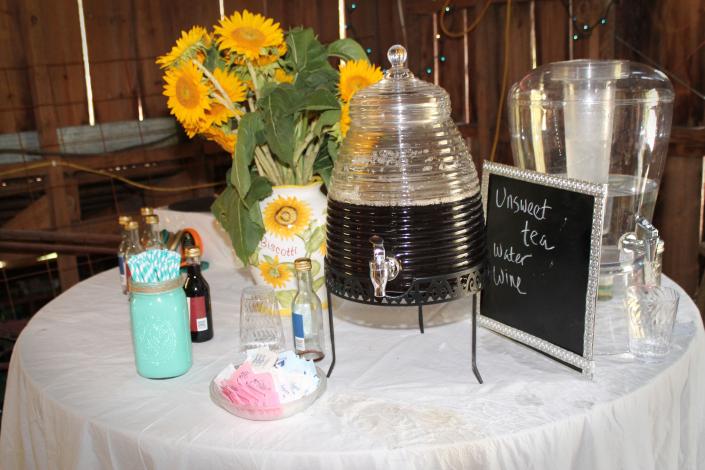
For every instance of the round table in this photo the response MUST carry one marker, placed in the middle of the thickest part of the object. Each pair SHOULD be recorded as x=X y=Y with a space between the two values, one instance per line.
x=396 y=399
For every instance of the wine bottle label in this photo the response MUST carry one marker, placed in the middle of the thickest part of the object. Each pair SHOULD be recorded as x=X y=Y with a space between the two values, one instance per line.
x=197 y=313
x=123 y=272
x=298 y=321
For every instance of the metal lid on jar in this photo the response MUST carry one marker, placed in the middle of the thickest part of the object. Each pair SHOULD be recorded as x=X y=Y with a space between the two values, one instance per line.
x=302 y=264
x=124 y=219
x=399 y=98
x=152 y=219
x=145 y=211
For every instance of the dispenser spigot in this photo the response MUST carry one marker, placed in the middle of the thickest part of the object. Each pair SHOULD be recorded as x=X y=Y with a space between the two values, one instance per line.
x=383 y=268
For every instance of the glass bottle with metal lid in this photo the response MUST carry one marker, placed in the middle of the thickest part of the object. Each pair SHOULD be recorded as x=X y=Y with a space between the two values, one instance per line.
x=404 y=199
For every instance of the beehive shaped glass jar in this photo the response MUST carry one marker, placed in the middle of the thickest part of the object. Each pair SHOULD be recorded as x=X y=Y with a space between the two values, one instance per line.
x=404 y=176
x=605 y=121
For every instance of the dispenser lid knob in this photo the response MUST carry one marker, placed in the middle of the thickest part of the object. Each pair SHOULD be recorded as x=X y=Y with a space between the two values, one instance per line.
x=397 y=55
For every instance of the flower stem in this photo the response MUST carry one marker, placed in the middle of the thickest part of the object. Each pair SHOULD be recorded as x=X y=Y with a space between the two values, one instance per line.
x=251 y=69
x=223 y=98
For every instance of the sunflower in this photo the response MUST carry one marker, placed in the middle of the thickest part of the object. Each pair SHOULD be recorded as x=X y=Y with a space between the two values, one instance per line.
x=236 y=91
x=273 y=56
x=227 y=140
x=344 y=119
x=282 y=77
x=286 y=217
x=247 y=34
x=231 y=84
x=356 y=75
x=274 y=273
x=323 y=248
x=188 y=94
x=186 y=47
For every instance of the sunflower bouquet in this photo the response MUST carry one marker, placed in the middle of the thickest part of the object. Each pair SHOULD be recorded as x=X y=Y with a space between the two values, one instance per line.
x=273 y=100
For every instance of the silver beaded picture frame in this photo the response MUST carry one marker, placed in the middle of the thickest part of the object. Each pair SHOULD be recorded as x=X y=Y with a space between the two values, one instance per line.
x=585 y=362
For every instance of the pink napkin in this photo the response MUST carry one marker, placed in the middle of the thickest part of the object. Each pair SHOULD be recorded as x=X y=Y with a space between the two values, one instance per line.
x=246 y=388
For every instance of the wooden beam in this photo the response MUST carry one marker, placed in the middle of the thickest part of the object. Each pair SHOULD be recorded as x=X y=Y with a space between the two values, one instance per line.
x=25 y=247
x=69 y=237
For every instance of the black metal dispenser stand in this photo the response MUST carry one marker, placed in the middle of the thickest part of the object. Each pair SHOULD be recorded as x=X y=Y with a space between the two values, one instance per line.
x=423 y=291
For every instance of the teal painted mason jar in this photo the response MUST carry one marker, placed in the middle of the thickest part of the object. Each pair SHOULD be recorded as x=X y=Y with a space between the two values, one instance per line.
x=160 y=329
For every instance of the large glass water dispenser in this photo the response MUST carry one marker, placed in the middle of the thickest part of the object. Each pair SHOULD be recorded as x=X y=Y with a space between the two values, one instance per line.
x=600 y=121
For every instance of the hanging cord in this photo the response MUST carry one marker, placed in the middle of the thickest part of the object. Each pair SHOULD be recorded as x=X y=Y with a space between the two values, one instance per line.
x=85 y=169
x=469 y=29
x=505 y=78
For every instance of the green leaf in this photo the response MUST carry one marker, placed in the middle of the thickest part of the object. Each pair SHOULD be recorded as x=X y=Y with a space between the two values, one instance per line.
x=315 y=267
x=323 y=165
x=234 y=217
x=213 y=59
x=332 y=148
x=278 y=108
x=325 y=77
x=318 y=283
x=319 y=100
x=285 y=297
x=347 y=49
x=279 y=132
x=282 y=100
x=289 y=266
x=327 y=118
x=260 y=188
x=269 y=259
x=255 y=216
x=316 y=239
x=305 y=52
x=249 y=125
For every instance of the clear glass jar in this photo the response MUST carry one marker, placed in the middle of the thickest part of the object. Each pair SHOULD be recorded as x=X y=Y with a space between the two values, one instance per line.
x=160 y=328
x=607 y=122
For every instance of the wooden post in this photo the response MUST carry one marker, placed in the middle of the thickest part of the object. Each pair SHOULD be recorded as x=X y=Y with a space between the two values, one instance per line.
x=46 y=121
x=61 y=212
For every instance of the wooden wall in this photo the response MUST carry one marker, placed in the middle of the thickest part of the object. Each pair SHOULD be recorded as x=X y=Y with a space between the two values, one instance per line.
x=42 y=83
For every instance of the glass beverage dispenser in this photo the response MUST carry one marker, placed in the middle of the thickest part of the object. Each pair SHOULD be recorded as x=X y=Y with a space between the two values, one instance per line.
x=600 y=121
x=404 y=199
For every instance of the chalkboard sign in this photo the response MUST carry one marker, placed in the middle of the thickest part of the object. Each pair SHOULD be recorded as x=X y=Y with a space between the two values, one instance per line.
x=543 y=237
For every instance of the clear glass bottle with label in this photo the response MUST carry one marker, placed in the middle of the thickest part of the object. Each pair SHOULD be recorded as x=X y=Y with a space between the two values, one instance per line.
x=123 y=220
x=132 y=247
x=198 y=298
x=153 y=239
x=306 y=315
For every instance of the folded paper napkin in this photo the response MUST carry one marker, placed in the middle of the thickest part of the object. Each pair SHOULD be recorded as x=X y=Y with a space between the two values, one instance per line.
x=268 y=379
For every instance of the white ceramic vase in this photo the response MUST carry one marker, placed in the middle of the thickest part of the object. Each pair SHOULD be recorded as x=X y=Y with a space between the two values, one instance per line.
x=294 y=220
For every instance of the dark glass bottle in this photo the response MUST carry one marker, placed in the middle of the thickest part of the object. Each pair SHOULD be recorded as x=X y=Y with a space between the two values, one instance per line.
x=198 y=298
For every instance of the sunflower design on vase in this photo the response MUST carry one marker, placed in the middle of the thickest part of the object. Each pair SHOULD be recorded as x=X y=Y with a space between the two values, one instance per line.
x=294 y=222
x=273 y=272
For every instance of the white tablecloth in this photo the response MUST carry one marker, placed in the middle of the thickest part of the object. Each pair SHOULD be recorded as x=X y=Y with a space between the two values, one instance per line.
x=397 y=399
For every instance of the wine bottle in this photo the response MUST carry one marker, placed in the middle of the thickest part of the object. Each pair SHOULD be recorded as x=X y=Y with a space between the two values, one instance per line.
x=198 y=298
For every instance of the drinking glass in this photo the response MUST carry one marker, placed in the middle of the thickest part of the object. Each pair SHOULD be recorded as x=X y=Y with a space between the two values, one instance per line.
x=260 y=323
x=652 y=312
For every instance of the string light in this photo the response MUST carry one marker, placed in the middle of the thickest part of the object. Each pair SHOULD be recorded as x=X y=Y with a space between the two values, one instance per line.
x=368 y=50
x=586 y=29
